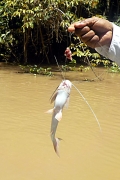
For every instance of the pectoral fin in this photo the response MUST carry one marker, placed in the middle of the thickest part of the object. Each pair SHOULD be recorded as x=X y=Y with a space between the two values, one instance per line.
x=67 y=102
x=50 y=111
x=53 y=97
x=58 y=116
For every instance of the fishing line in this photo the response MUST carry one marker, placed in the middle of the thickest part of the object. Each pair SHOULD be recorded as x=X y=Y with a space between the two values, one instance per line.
x=59 y=67
x=63 y=75
x=88 y=105
x=80 y=95
x=70 y=34
x=88 y=61
x=106 y=58
x=98 y=77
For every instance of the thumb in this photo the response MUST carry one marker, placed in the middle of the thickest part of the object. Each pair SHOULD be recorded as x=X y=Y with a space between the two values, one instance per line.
x=87 y=22
x=80 y=24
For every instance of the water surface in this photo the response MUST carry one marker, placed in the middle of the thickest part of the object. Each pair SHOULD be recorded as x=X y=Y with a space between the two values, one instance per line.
x=26 y=151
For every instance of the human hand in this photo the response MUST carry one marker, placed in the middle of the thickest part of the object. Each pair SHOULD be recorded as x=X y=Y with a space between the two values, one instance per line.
x=94 y=32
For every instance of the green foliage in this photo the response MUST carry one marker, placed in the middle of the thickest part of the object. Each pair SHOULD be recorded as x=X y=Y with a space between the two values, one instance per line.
x=29 y=27
x=84 y=53
x=72 y=66
x=114 y=68
x=83 y=69
x=117 y=21
x=36 y=70
x=68 y=68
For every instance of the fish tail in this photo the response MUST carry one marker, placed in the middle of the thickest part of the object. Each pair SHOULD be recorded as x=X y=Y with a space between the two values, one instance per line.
x=56 y=145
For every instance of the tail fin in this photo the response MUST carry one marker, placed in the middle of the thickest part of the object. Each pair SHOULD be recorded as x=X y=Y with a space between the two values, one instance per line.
x=56 y=145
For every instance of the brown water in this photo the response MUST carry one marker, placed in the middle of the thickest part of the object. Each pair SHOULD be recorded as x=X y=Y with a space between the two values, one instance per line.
x=26 y=151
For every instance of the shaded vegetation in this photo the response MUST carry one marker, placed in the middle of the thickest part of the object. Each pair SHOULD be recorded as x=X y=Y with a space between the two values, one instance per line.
x=33 y=31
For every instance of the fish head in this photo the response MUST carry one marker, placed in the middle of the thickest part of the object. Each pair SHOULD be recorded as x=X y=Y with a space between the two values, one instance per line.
x=65 y=84
x=68 y=83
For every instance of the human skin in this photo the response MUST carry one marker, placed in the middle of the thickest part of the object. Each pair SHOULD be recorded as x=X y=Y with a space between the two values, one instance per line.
x=94 y=32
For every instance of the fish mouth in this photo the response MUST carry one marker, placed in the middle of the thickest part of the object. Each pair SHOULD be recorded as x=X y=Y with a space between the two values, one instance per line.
x=67 y=83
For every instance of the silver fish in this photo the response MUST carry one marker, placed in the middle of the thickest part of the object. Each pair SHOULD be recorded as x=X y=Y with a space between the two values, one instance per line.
x=61 y=99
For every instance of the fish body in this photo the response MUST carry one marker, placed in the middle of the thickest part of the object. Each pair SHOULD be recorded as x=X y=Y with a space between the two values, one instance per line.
x=61 y=99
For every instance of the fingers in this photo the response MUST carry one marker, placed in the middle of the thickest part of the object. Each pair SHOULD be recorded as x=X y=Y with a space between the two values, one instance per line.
x=90 y=39
x=93 y=42
x=76 y=25
x=71 y=28
x=87 y=36
x=81 y=31
x=84 y=31
x=93 y=31
x=87 y=22
x=106 y=39
x=80 y=24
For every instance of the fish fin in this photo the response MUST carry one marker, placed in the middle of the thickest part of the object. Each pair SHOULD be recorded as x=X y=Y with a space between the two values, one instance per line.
x=56 y=145
x=50 y=111
x=53 y=97
x=67 y=103
x=58 y=116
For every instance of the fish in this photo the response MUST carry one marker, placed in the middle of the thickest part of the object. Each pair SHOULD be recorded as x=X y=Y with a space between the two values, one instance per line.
x=68 y=55
x=61 y=99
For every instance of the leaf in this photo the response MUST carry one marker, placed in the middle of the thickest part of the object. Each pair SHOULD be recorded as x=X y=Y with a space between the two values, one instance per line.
x=95 y=55
x=1 y=40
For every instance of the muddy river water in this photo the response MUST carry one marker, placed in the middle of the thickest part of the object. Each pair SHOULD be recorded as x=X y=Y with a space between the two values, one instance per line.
x=26 y=150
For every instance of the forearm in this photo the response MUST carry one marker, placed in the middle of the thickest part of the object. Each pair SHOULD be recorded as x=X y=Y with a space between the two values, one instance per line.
x=112 y=52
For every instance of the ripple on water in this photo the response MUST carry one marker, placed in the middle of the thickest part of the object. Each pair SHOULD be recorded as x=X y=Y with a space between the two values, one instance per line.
x=26 y=147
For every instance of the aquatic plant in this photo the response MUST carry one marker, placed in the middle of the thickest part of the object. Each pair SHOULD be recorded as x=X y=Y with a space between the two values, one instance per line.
x=114 y=68
x=36 y=70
